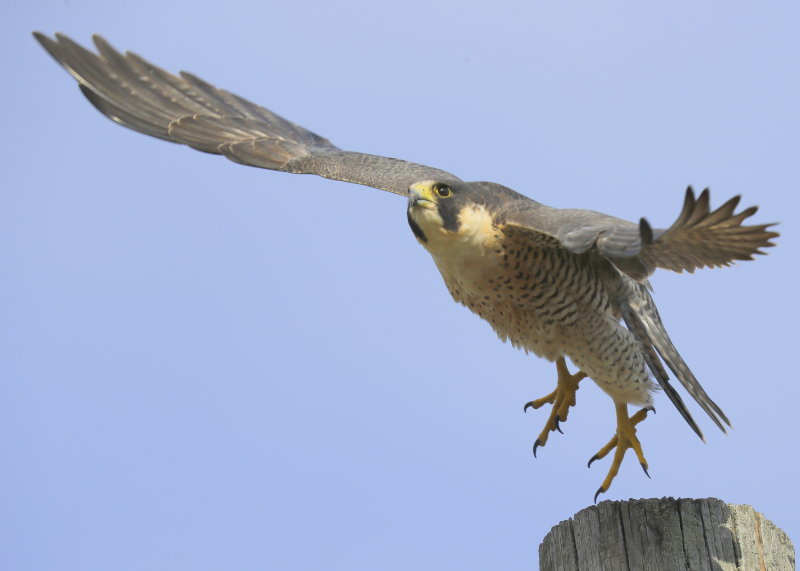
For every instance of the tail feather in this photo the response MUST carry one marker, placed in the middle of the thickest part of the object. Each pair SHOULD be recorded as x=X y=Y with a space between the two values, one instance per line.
x=654 y=363
x=641 y=316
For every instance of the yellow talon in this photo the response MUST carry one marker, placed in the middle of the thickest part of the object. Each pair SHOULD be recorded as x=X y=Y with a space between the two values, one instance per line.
x=562 y=398
x=624 y=439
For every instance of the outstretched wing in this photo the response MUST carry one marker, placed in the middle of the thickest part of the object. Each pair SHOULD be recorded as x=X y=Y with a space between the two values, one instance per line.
x=185 y=109
x=699 y=237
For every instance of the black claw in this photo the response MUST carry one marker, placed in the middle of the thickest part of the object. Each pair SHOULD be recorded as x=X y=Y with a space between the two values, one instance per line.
x=592 y=459
x=527 y=406
x=651 y=408
x=535 y=446
x=600 y=490
x=644 y=467
x=557 y=426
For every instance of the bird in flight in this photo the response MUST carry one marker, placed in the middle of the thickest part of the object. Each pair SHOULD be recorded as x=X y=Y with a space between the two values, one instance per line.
x=558 y=282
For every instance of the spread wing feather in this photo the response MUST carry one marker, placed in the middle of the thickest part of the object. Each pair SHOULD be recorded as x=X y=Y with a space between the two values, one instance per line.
x=185 y=109
x=698 y=238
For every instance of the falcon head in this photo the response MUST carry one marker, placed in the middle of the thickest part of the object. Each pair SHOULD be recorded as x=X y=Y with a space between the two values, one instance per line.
x=441 y=210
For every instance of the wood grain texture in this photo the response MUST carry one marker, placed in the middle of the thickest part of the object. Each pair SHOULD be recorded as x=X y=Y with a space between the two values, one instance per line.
x=667 y=534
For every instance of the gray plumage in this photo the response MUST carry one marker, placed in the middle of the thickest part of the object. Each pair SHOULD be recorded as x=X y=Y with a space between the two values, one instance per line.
x=555 y=282
x=185 y=109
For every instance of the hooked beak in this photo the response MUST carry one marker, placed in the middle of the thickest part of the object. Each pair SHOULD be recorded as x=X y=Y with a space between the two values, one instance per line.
x=421 y=195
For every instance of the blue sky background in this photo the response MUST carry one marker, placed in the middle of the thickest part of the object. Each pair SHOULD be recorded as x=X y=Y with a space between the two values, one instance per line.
x=205 y=366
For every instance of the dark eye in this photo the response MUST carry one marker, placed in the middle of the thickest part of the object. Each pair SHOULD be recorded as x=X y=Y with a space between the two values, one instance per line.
x=443 y=190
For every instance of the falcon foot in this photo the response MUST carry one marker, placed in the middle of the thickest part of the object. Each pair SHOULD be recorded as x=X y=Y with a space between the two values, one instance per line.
x=562 y=398
x=624 y=439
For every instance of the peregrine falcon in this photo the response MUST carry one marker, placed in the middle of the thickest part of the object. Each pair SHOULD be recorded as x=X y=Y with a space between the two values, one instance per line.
x=560 y=283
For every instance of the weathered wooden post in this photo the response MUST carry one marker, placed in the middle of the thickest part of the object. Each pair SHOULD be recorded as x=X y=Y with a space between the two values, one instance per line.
x=667 y=534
